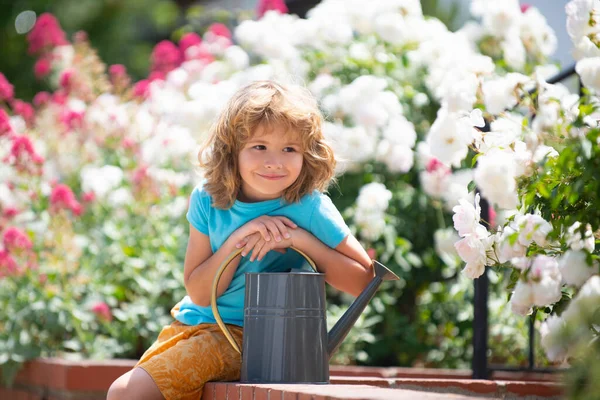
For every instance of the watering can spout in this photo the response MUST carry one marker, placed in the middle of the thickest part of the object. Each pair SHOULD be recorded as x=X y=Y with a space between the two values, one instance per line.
x=343 y=326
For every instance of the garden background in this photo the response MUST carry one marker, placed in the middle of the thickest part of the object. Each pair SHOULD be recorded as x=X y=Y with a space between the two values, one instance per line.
x=104 y=103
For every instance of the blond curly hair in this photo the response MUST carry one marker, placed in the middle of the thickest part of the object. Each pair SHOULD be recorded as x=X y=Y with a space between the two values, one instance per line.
x=269 y=104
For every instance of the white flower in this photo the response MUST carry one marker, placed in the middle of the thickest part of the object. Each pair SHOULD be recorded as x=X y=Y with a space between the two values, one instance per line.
x=444 y=240
x=532 y=227
x=579 y=15
x=543 y=287
x=522 y=298
x=435 y=183
x=499 y=93
x=466 y=219
x=120 y=197
x=100 y=181
x=508 y=251
x=457 y=188
x=576 y=242
x=373 y=196
x=513 y=51
x=449 y=137
x=552 y=331
x=237 y=57
x=575 y=269
x=495 y=177
x=473 y=250
x=370 y=222
x=400 y=131
x=476 y=117
x=589 y=71
x=397 y=158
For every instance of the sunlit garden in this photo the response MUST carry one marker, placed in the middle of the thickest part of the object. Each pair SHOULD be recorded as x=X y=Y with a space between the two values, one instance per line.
x=456 y=158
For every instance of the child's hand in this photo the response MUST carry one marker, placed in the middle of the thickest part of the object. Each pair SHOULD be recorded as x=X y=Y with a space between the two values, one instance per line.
x=259 y=247
x=276 y=227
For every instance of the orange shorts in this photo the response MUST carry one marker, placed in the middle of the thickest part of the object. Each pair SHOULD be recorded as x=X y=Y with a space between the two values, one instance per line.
x=185 y=357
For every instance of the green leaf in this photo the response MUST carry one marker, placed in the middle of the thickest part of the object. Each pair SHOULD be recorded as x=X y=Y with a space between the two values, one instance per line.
x=471 y=186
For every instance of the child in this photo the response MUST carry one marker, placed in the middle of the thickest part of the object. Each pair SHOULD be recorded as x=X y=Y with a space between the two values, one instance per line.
x=266 y=165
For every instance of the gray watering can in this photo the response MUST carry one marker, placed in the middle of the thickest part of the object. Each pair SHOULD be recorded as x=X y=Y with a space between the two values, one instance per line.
x=285 y=328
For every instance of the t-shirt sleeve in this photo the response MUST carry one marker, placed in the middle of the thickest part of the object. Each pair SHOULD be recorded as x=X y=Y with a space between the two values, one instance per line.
x=197 y=214
x=326 y=222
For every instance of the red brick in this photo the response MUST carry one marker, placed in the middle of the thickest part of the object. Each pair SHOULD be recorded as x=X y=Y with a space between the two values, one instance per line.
x=233 y=391
x=246 y=392
x=477 y=386
x=261 y=393
x=546 y=389
x=208 y=392
x=220 y=391
x=371 y=381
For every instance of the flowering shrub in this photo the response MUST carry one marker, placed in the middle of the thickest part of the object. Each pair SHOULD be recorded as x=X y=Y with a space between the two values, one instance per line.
x=96 y=174
x=537 y=163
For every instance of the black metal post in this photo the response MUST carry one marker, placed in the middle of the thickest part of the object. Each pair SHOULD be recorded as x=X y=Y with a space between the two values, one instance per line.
x=479 y=363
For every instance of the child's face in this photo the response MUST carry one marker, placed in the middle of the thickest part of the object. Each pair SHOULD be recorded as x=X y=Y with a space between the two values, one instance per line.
x=269 y=163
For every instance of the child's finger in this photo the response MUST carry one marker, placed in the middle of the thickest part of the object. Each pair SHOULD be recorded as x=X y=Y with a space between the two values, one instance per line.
x=250 y=245
x=264 y=231
x=283 y=229
x=287 y=221
x=274 y=229
x=257 y=249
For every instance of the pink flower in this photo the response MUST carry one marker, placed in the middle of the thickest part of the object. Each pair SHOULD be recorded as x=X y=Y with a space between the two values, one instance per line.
x=188 y=40
x=60 y=97
x=267 y=5
x=165 y=57
x=66 y=79
x=142 y=89
x=117 y=71
x=5 y=127
x=156 y=76
x=372 y=253
x=62 y=197
x=6 y=89
x=25 y=110
x=89 y=197
x=14 y=239
x=41 y=98
x=72 y=119
x=22 y=153
x=10 y=212
x=42 y=67
x=8 y=265
x=218 y=29
x=434 y=164
x=102 y=311
x=46 y=34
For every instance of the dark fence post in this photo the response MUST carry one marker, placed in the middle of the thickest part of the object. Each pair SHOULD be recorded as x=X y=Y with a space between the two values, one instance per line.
x=480 y=315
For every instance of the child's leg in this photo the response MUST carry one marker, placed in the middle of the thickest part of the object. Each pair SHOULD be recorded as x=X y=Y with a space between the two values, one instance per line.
x=179 y=363
x=135 y=384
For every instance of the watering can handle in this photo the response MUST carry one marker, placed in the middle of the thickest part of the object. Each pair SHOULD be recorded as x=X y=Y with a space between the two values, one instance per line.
x=215 y=285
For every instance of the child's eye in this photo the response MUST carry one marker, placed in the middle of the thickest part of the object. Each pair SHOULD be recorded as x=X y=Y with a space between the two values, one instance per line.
x=289 y=149
x=259 y=147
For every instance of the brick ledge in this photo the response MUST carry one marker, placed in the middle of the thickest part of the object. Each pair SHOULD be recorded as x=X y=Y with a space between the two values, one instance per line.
x=90 y=379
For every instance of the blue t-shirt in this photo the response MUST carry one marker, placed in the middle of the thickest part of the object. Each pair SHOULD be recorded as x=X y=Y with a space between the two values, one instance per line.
x=314 y=213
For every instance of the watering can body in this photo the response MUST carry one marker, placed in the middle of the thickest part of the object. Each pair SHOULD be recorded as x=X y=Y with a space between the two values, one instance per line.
x=285 y=329
x=285 y=326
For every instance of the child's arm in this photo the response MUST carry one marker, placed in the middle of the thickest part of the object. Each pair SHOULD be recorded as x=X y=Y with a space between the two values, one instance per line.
x=347 y=267
x=201 y=265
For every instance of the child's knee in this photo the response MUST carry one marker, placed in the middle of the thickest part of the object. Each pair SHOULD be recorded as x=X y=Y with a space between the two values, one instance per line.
x=135 y=384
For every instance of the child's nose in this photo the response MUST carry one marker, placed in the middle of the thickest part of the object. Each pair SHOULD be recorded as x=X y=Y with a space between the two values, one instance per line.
x=273 y=162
